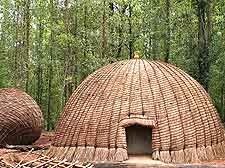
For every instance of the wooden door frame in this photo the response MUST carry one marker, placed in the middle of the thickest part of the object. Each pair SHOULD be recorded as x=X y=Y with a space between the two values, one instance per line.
x=122 y=139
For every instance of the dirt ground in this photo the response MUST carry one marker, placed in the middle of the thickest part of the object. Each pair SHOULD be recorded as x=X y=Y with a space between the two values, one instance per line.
x=13 y=157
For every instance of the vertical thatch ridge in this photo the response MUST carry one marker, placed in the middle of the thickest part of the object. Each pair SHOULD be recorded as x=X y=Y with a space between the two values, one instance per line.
x=201 y=152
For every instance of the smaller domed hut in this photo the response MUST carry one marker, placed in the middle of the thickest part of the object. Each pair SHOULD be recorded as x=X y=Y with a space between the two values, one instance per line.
x=20 y=118
x=139 y=107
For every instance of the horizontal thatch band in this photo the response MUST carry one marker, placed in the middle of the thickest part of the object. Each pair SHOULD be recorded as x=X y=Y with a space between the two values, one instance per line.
x=83 y=154
x=191 y=155
x=188 y=155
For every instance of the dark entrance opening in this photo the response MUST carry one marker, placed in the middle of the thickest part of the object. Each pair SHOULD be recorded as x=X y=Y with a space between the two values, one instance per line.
x=139 y=140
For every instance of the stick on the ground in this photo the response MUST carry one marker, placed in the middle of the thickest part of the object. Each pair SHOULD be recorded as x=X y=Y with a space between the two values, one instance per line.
x=32 y=161
x=89 y=165
x=62 y=162
x=18 y=165
x=23 y=148
x=72 y=164
x=42 y=164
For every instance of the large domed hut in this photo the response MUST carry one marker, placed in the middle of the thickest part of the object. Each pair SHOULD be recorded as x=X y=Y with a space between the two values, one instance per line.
x=20 y=118
x=137 y=107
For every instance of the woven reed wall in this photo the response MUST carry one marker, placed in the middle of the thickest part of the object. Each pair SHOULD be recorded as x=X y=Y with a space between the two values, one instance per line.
x=20 y=118
x=186 y=126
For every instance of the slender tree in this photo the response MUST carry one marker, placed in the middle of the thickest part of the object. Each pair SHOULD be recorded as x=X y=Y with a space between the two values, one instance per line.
x=67 y=54
x=74 y=67
x=104 y=24
x=130 y=30
x=155 y=29
x=222 y=94
x=50 y=66
x=16 y=53
x=122 y=9
x=167 y=39
x=27 y=43
x=204 y=29
x=85 y=29
x=39 y=70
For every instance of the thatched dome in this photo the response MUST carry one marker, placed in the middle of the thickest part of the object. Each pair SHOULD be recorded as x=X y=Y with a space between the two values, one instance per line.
x=20 y=118
x=185 y=124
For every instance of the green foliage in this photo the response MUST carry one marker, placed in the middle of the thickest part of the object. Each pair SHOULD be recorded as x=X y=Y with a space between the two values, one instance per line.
x=67 y=43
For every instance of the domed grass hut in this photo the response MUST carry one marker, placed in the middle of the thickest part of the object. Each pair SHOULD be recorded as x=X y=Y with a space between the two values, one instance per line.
x=20 y=118
x=139 y=107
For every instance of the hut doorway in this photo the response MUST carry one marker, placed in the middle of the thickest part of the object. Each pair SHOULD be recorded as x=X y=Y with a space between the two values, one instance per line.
x=139 y=140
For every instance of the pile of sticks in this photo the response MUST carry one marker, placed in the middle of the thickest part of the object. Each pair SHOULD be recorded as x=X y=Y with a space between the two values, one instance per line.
x=42 y=161
x=45 y=162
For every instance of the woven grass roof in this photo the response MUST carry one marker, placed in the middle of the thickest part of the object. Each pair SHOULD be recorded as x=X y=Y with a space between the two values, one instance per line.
x=185 y=124
x=20 y=118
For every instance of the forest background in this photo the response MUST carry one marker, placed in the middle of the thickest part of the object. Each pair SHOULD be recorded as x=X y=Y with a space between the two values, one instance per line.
x=47 y=47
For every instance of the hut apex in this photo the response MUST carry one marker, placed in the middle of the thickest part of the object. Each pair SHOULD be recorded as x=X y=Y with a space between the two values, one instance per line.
x=136 y=55
x=139 y=107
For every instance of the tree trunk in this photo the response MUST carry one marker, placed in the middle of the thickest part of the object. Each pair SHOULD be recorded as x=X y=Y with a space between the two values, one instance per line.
x=39 y=67
x=67 y=54
x=104 y=40
x=167 y=42
x=27 y=44
x=222 y=94
x=154 y=32
x=120 y=30
x=50 y=76
x=75 y=52
x=16 y=53
x=154 y=42
x=204 y=25
x=222 y=100
x=85 y=30
x=130 y=31
x=50 y=67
